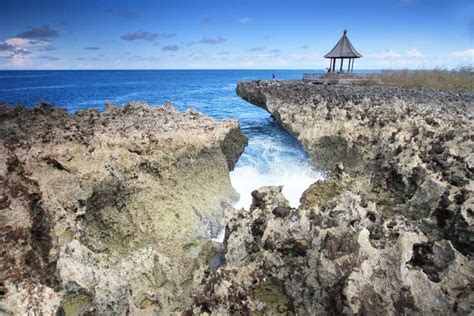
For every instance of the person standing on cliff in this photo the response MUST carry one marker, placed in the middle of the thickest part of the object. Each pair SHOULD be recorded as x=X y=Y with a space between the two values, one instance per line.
x=273 y=77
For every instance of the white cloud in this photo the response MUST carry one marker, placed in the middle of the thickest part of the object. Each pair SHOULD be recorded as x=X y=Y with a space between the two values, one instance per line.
x=244 y=20
x=464 y=53
x=16 y=52
x=20 y=42
x=389 y=53
x=414 y=52
x=17 y=41
x=19 y=60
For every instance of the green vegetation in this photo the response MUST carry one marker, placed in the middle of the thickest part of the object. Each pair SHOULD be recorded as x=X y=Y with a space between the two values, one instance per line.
x=461 y=79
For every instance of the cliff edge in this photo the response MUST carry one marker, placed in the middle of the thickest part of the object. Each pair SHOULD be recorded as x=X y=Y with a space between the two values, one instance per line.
x=110 y=212
x=391 y=230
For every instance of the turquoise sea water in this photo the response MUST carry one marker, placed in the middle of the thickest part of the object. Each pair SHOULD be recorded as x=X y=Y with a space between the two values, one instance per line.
x=273 y=156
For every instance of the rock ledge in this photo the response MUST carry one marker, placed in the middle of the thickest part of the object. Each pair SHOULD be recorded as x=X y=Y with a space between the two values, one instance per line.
x=110 y=212
x=390 y=232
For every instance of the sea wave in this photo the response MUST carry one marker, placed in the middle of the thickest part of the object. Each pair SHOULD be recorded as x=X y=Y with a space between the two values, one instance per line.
x=295 y=179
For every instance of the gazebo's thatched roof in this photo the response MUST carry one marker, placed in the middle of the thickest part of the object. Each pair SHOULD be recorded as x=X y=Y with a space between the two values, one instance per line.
x=343 y=49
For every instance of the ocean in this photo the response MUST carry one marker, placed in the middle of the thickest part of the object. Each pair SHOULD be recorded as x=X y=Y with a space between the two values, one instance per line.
x=273 y=156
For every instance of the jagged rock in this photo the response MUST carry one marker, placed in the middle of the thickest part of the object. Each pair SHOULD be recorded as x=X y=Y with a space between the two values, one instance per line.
x=390 y=231
x=413 y=147
x=101 y=210
x=330 y=259
x=110 y=212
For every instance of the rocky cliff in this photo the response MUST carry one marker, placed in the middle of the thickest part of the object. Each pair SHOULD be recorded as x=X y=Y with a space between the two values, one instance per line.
x=390 y=232
x=109 y=212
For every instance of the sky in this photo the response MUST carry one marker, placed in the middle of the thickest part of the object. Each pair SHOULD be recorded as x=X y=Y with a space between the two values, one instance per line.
x=232 y=34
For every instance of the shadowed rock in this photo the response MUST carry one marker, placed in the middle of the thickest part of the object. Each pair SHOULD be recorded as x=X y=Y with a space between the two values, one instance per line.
x=111 y=212
x=390 y=232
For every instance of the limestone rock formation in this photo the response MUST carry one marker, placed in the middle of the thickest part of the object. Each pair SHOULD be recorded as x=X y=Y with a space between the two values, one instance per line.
x=390 y=232
x=413 y=147
x=335 y=258
x=109 y=212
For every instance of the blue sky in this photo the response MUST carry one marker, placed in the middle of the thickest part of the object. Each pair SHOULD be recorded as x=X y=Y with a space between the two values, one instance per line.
x=229 y=34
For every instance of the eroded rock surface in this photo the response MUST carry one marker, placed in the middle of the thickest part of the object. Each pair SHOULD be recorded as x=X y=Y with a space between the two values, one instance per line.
x=110 y=212
x=330 y=260
x=390 y=232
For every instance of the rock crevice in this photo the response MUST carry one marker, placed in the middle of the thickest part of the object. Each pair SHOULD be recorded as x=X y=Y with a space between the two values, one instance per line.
x=390 y=232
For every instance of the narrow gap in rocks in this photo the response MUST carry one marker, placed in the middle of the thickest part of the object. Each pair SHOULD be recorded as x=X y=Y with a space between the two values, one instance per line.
x=272 y=157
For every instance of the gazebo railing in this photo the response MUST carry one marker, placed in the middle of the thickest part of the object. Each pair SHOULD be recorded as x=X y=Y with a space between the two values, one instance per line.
x=312 y=76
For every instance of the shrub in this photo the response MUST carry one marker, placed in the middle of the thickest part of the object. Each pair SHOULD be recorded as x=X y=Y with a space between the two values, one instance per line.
x=461 y=79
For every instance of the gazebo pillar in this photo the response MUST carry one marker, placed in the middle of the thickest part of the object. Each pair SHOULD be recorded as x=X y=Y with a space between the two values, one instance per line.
x=343 y=50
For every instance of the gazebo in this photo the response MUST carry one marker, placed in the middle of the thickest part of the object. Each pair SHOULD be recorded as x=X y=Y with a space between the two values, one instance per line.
x=343 y=50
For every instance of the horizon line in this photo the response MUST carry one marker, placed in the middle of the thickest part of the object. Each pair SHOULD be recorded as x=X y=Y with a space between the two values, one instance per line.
x=210 y=69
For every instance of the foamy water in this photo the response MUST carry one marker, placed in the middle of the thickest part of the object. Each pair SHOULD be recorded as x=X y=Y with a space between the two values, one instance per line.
x=273 y=161
x=294 y=179
x=272 y=157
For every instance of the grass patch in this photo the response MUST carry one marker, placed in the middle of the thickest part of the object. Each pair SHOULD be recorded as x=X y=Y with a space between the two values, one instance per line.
x=461 y=79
